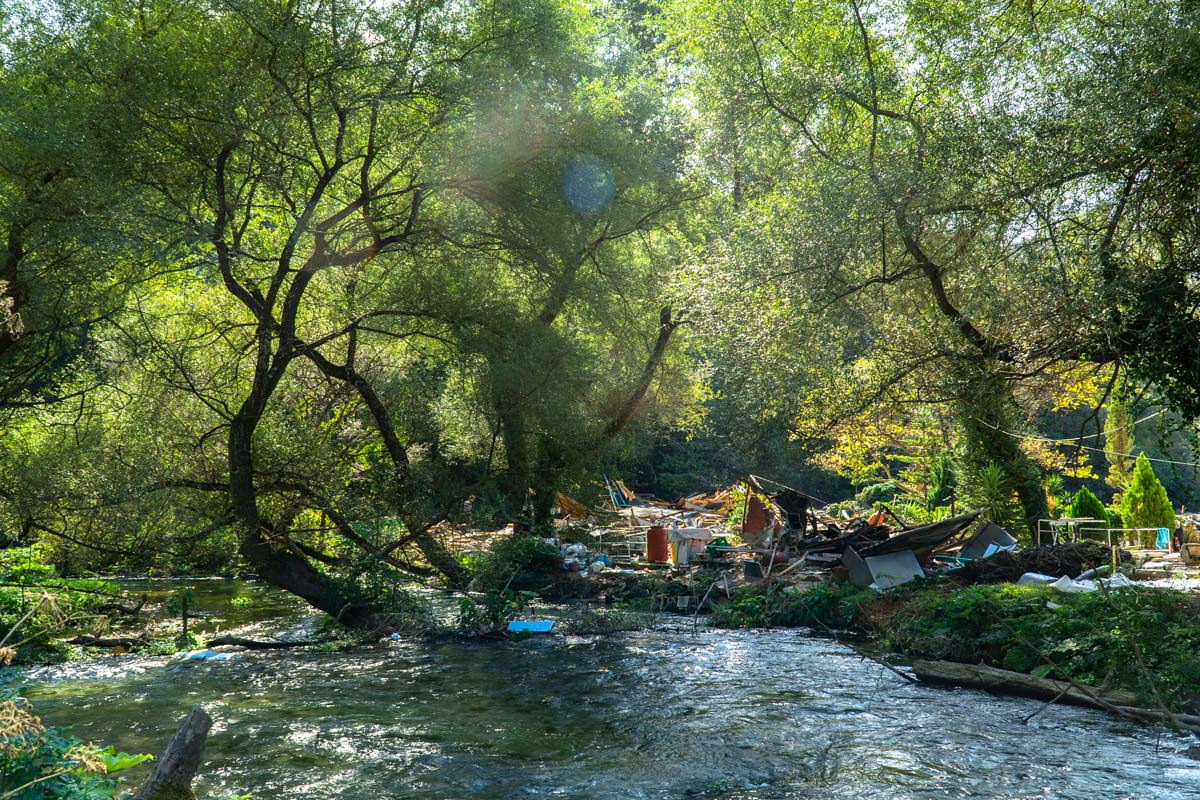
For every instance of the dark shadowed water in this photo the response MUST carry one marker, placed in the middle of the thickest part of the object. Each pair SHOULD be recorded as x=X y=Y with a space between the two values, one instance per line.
x=714 y=714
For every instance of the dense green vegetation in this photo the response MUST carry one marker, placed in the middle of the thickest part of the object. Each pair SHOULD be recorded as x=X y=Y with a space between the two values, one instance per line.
x=292 y=287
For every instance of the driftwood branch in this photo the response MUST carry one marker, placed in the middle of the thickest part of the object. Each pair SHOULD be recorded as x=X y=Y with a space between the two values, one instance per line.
x=175 y=768
x=257 y=644
x=87 y=640
x=120 y=608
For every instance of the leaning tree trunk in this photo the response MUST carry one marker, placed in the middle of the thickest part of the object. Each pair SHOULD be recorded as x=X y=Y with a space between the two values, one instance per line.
x=278 y=567
x=517 y=477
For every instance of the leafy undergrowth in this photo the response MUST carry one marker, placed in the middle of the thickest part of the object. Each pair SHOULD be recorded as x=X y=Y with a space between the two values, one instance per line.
x=37 y=607
x=38 y=763
x=1142 y=640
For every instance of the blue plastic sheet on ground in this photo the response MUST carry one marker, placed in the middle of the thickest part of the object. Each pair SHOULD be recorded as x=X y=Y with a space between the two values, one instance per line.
x=531 y=626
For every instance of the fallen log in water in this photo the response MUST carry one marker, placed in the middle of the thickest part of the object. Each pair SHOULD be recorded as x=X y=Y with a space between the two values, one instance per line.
x=979 y=676
x=257 y=644
x=1003 y=681
x=175 y=768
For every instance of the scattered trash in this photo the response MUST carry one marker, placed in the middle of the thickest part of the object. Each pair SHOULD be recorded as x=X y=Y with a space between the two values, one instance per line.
x=204 y=655
x=1073 y=585
x=760 y=529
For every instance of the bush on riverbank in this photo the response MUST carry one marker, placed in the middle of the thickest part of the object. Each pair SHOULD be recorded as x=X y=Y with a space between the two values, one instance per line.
x=1143 y=640
x=518 y=562
x=37 y=606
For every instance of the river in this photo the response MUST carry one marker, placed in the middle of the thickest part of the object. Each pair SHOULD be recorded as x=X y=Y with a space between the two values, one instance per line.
x=647 y=714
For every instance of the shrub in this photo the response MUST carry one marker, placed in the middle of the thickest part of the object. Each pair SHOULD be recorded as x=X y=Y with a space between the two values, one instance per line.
x=1113 y=516
x=490 y=615
x=885 y=492
x=1086 y=505
x=829 y=605
x=519 y=562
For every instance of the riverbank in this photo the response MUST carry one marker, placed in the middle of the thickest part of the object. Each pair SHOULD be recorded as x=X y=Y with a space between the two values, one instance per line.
x=643 y=715
x=1139 y=640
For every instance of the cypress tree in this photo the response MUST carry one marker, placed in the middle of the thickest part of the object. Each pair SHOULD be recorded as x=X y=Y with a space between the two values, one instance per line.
x=1145 y=504
x=1086 y=505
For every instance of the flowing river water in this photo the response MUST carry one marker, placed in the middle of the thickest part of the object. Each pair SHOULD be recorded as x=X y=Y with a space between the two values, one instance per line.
x=647 y=714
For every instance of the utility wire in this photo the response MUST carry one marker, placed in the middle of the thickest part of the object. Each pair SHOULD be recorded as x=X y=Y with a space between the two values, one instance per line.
x=1083 y=446
x=1114 y=430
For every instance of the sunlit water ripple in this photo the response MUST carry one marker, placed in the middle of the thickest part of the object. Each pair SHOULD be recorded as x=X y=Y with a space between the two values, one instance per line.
x=713 y=714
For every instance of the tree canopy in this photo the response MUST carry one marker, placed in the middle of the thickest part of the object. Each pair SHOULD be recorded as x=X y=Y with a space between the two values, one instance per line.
x=299 y=284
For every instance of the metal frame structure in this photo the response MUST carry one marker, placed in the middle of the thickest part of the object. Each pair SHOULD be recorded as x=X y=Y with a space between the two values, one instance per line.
x=1073 y=530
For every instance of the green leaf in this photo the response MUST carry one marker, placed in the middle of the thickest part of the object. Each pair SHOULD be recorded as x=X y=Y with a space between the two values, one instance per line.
x=115 y=762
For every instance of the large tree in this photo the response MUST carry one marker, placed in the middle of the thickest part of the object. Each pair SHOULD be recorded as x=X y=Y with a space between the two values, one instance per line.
x=364 y=273
x=956 y=183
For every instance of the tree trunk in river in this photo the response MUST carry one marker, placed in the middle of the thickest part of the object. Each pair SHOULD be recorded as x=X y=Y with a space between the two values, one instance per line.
x=176 y=767
x=979 y=676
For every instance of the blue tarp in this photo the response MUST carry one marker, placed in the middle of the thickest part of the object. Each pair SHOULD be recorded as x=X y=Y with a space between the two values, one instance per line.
x=531 y=626
x=1164 y=539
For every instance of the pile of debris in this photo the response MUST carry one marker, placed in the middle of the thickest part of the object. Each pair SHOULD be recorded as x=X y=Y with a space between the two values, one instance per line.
x=760 y=529
x=1067 y=558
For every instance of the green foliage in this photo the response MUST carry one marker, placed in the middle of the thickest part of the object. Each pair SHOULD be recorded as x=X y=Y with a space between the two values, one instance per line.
x=1058 y=498
x=942 y=482
x=45 y=605
x=519 y=562
x=828 y=605
x=885 y=492
x=1086 y=505
x=1093 y=638
x=489 y=616
x=39 y=763
x=1113 y=515
x=1145 y=503
x=990 y=488
x=390 y=592
x=1118 y=438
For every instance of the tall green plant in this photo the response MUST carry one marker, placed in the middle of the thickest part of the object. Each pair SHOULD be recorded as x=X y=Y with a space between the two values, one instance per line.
x=991 y=488
x=942 y=483
x=1086 y=505
x=1145 y=504
x=1118 y=438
